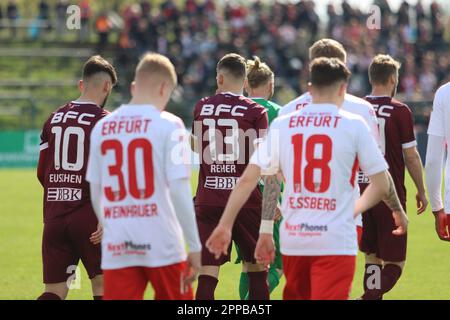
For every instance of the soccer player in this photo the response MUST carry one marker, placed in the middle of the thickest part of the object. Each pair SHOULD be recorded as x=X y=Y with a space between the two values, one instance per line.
x=225 y=128
x=332 y=49
x=321 y=144
x=260 y=88
x=71 y=229
x=438 y=136
x=140 y=186
x=386 y=253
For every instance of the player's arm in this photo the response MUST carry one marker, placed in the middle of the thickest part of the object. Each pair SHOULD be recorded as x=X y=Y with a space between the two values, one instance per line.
x=415 y=168
x=41 y=166
x=433 y=171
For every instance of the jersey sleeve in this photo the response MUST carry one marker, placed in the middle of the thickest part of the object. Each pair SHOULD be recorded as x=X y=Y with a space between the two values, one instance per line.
x=369 y=156
x=94 y=170
x=407 y=136
x=372 y=121
x=195 y=119
x=43 y=145
x=437 y=120
x=176 y=154
x=262 y=122
x=267 y=154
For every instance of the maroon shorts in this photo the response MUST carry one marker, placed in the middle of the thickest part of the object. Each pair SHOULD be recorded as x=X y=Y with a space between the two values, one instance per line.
x=65 y=241
x=377 y=237
x=245 y=232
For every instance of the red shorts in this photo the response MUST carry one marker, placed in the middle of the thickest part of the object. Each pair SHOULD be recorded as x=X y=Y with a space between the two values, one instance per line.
x=318 y=277
x=130 y=283
x=245 y=232
x=65 y=241
x=377 y=237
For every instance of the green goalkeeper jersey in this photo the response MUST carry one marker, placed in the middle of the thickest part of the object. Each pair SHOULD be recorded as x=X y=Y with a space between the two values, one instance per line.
x=271 y=107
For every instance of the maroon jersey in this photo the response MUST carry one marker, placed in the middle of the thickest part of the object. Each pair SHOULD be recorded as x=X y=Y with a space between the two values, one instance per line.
x=396 y=126
x=65 y=141
x=225 y=128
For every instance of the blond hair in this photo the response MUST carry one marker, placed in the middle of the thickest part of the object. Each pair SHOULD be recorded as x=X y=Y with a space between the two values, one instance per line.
x=158 y=66
x=258 y=73
x=381 y=68
x=327 y=48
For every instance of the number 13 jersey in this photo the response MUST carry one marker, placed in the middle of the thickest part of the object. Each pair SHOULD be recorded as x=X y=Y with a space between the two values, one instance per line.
x=318 y=149
x=135 y=152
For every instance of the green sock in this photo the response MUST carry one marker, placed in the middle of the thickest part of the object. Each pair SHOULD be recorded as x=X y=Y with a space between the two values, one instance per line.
x=274 y=279
x=243 y=286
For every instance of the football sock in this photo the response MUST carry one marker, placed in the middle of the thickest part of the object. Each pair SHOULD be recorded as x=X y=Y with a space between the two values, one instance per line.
x=98 y=297
x=274 y=279
x=206 y=287
x=243 y=286
x=389 y=277
x=258 y=287
x=48 y=296
x=369 y=273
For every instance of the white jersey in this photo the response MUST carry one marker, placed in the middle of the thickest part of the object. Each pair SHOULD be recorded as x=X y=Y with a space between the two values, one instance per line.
x=351 y=104
x=134 y=153
x=440 y=126
x=319 y=157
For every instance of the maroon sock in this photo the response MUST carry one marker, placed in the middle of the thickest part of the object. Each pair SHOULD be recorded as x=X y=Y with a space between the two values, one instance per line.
x=48 y=296
x=258 y=288
x=206 y=287
x=389 y=277
x=98 y=297
x=369 y=272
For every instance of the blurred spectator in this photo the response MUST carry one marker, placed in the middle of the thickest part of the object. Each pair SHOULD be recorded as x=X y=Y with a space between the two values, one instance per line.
x=61 y=15
x=44 y=15
x=12 y=12
x=86 y=14
x=103 y=27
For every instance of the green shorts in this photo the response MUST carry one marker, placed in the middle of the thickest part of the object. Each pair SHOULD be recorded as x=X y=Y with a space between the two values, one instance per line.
x=277 y=263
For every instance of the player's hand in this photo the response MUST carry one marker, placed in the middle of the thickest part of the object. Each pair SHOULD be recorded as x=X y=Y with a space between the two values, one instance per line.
x=96 y=237
x=194 y=265
x=219 y=241
x=441 y=225
x=265 y=249
x=401 y=221
x=422 y=202
x=278 y=214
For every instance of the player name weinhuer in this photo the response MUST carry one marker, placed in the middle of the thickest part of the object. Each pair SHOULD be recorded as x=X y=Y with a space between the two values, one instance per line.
x=112 y=129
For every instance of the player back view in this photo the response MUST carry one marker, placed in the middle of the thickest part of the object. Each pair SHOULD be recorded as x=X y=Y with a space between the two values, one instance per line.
x=140 y=185
x=70 y=223
x=225 y=128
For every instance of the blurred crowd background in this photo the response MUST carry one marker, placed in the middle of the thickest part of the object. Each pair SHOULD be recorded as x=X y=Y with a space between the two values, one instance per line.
x=196 y=33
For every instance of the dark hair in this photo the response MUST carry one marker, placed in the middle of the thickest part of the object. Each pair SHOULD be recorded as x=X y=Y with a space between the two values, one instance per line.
x=328 y=71
x=382 y=68
x=95 y=65
x=234 y=64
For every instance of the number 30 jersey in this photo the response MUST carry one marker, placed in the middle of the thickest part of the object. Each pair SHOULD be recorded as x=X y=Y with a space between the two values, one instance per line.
x=135 y=152
x=226 y=127
x=318 y=149
x=65 y=141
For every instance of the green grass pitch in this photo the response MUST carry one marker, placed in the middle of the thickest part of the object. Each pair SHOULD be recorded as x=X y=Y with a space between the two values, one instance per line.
x=426 y=275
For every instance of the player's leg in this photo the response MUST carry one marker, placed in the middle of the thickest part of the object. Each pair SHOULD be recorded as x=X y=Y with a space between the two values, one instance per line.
x=245 y=234
x=125 y=284
x=59 y=260
x=298 y=279
x=207 y=219
x=168 y=282
x=81 y=225
x=332 y=277
x=243 y=280
x=369 y=245
x=392 y=250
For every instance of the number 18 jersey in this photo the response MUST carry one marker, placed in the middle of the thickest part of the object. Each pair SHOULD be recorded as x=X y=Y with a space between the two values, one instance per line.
x=135 y=152
x=319 y=149
x=65 y=139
